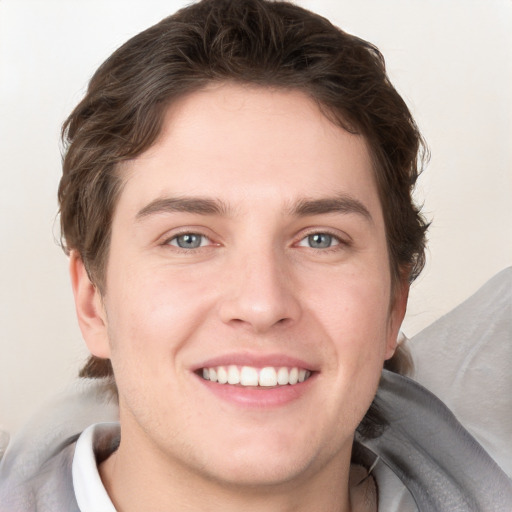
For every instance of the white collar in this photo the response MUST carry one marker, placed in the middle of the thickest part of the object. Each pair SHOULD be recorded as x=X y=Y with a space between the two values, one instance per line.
x=90 y=493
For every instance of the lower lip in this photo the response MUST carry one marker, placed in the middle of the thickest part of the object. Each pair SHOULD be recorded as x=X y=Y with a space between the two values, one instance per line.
x=260 y=396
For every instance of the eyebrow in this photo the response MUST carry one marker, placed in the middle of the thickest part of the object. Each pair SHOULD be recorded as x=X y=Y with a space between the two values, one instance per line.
x=198 y=205
x=302 y=208
x=338 y=204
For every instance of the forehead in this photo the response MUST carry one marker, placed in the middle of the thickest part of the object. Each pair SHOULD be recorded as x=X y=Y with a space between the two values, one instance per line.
x=243 y=143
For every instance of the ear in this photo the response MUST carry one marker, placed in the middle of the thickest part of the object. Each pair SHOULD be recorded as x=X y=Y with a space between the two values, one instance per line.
x=396 y=316
x=89 y=308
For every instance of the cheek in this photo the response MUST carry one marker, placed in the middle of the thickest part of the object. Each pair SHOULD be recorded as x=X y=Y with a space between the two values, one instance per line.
x=148 y=322
x=150 y=316
x=355 y=318
x=353 y=304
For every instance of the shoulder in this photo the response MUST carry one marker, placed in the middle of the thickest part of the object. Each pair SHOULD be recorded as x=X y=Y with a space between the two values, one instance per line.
x=36 y=468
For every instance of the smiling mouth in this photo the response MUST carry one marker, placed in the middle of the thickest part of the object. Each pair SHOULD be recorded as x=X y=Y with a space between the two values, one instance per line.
x=249 y=376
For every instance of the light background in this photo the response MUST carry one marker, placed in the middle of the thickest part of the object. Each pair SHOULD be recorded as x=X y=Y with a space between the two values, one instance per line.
x=450 y=59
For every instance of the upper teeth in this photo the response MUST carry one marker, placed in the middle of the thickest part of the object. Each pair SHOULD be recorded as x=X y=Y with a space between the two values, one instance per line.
x=250 y=376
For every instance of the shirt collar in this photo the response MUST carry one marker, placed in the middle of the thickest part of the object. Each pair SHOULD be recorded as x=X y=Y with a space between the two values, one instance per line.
x=90 y=492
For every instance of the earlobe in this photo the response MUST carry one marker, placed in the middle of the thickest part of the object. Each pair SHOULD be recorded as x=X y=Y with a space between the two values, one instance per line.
x=89 y=308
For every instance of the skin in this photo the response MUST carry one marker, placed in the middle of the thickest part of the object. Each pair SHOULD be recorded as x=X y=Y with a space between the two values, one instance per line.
x=255 y=287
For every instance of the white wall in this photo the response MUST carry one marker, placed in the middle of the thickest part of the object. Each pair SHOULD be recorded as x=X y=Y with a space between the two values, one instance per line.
x=451 y=59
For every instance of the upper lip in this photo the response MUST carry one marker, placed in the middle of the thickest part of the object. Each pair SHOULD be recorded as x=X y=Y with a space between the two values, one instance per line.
x=255 y=360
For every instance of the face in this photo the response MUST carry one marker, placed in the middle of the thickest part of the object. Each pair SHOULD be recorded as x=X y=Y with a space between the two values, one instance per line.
x=248 y=305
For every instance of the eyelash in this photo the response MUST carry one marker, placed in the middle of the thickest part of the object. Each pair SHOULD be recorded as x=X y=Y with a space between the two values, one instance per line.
x=340 y=242
x=168 y=241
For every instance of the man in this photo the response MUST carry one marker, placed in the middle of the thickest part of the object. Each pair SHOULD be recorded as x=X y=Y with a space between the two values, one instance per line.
x=236 y=203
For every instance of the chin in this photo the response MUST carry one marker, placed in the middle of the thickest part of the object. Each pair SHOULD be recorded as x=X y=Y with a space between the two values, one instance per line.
x=266 y=460
x=256 y=472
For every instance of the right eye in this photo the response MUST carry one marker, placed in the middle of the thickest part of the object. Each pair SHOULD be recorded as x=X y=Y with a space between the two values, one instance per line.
x=189 y=241
x=319 y=240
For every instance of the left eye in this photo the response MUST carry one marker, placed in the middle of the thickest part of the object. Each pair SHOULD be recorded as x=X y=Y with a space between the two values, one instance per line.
x=189 y=241
x=319 y=241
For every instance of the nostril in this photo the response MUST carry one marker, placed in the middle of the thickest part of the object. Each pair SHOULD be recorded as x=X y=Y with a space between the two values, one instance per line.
x=261 y=324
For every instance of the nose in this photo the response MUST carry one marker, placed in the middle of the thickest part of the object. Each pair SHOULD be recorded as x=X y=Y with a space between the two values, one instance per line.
x=259 y=292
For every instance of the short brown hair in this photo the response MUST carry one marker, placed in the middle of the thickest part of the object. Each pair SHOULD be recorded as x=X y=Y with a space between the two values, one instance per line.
x=259 y=42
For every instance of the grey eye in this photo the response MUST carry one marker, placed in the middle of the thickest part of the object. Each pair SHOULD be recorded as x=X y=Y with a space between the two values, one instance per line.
x=320 y=241
x=188 y=241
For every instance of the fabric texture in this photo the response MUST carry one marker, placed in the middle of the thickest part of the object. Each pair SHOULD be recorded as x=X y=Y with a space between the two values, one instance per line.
x=435 y=457
x=465 y=358
x=90 y=493
x=35 y=471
